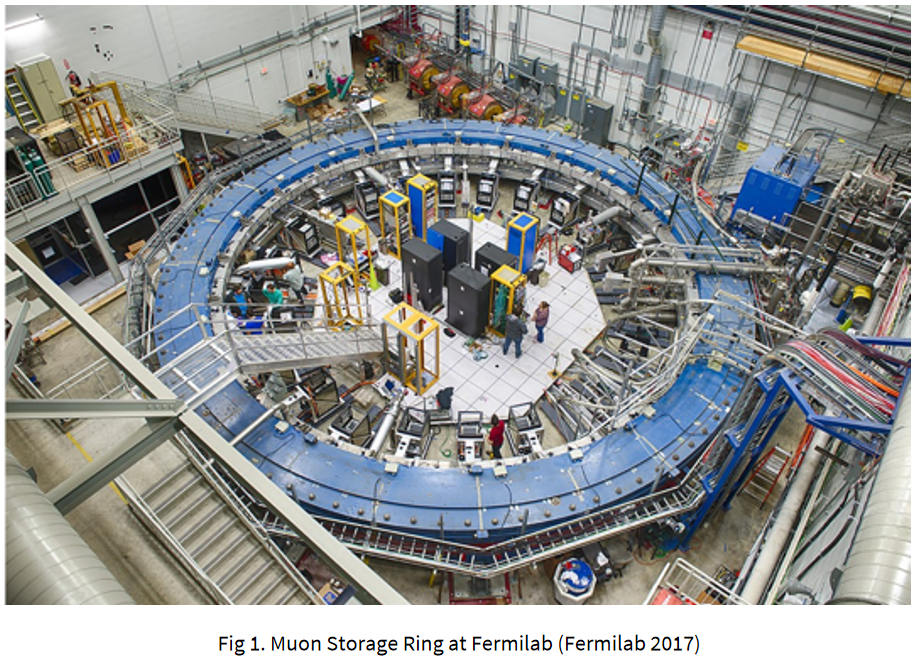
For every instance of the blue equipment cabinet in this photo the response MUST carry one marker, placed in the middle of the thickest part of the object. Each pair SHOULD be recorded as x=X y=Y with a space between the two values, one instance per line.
x=776 y=183
x=522 y=239
x=424 y=204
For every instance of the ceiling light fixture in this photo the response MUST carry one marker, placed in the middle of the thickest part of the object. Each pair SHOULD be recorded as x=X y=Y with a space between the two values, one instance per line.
x=27 y=21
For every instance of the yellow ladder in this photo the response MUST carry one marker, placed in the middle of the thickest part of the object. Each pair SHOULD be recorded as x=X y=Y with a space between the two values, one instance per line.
x=21 y=103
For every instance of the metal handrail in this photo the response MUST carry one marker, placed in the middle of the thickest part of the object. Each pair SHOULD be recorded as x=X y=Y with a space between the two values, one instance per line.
x=67 y=174
x=195 y=107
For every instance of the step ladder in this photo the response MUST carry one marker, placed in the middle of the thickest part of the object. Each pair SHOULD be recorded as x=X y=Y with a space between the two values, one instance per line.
x=763 y=479
x=20 y=102
x=222 y=547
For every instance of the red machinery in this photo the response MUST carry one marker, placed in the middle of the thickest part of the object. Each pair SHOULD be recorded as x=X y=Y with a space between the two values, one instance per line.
x=512 y=117
x=420 y=76
x=570 y=258
x=450 y=92
x=486 y=108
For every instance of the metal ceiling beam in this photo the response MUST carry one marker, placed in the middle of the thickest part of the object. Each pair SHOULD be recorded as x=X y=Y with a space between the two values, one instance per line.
x=115 y=461
x=16 y=338
x=17 y=409
x=370 y=587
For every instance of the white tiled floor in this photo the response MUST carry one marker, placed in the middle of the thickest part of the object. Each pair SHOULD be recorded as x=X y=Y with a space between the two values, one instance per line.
x=493 y=384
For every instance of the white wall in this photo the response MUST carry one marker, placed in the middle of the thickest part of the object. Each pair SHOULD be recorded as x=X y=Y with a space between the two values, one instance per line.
x=783 y=102
x=158 y=43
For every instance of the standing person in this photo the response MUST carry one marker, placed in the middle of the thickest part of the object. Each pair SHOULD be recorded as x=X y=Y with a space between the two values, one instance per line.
x=515 y=330
x=497 y=435
x=295 y=279
x=241 y=303
x=541 y=316
x=273 y=295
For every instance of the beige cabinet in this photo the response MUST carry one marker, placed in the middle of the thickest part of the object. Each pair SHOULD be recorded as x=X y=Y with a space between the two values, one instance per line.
x=44 y=85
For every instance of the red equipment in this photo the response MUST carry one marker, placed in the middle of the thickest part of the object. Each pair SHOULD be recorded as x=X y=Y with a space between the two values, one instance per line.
x=420 y=76
x=486 y=108
x=450 y=92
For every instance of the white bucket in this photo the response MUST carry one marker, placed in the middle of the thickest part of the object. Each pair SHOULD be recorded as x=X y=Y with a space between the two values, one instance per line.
x=573 y=582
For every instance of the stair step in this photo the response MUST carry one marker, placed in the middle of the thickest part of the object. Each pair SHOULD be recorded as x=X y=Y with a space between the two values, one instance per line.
x=218 y=534
x=242 y=592
x=225 y=552
x=269 y=588
x=187 y=507
x=244 y=562
x=204 y=522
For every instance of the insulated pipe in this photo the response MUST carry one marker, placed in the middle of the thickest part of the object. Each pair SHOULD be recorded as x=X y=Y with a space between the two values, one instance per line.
x=387 y=424
x=654 y=75
x=369 y=127
x=878 y=570
x=377 y=175
x=706 y=266
x=780 y=532
x=47 y=562
x=609 y=214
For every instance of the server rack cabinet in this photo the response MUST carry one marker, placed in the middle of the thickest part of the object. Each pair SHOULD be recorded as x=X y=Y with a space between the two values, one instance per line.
x=596 y=124
x=454 y=242
x=468 y=300
x=490 y=257
x=522 y=239
x=564 y=209
x=487 y=190
x=524 y=192
x=394 y=221
x=366 y=195
x=421 y=267
x=424 y=204
x=448 y=186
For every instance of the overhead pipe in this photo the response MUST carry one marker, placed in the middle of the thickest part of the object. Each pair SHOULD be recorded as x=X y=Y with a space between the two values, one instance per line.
x=47 y=562
x=654 y=74
x=878 y=570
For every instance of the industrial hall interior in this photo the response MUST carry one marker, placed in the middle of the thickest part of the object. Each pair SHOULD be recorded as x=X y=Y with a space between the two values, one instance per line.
x=458 y=304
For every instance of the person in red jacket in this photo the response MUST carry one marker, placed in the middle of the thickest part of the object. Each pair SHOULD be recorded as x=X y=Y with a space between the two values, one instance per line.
x=497 y=435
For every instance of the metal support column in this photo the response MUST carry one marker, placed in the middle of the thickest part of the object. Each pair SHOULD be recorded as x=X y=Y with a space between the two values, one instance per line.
x=370 y=587
x=101 y=241
x=178 y=179
x=114 y=462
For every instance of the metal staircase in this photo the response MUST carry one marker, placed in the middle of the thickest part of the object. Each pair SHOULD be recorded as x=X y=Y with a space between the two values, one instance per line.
x=217 y=540
x=20 y=102
x=206 y=368
x=304 y=347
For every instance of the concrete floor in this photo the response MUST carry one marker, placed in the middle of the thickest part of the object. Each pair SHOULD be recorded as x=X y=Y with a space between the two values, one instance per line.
x=152 y=577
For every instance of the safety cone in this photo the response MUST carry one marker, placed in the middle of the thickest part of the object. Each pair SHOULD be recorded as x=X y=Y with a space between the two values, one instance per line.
x=373 y=281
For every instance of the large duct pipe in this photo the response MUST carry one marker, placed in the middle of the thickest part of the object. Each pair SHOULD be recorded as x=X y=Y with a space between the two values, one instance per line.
x=654 y=75
x=879 y=568
x=47 y=562
x=704 y=266
x=609 y=214
x=388 y=421
x=781 y=531
x=379 y=177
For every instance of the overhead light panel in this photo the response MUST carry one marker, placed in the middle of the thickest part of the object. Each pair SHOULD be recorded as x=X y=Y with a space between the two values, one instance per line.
x=23 y=23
